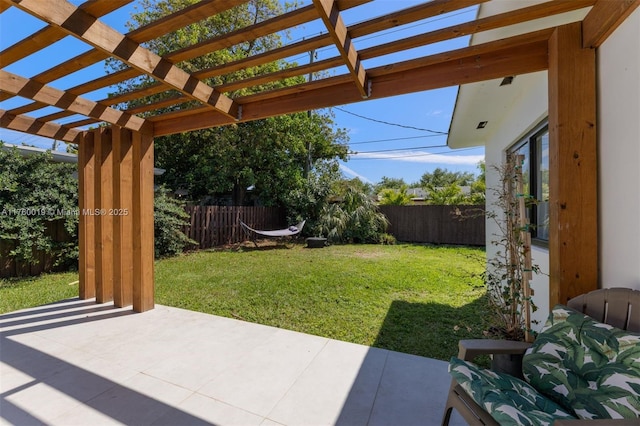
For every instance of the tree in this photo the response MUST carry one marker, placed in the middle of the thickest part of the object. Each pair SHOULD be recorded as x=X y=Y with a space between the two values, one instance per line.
x=169 y=217
x=270 y=155
x=450 y=194
x=479 y=187
x=391 y=183
x=391 y=197
x=273 y=155
x=443 y=177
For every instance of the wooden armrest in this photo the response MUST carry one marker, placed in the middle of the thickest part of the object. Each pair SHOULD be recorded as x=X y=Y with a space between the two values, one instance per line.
x=599 y=422
x=469 y=349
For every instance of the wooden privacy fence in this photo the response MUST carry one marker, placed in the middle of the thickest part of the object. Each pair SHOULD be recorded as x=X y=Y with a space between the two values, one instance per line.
x=10 y=267
x=464 y=225
x=218 y=225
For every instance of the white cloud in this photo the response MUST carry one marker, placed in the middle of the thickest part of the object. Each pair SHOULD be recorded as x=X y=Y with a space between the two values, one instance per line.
x=351 y=173
x=422 y=157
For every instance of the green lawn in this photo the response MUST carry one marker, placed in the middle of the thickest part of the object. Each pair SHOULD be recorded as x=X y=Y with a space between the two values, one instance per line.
x=409 y=298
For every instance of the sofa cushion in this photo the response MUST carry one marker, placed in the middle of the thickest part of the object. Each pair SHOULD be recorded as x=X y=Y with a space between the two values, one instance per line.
x=591 y=367
x=509 y=400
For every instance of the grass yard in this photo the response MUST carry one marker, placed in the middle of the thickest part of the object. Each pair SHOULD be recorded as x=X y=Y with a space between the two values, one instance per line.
x=409 y=298
x=34 y=291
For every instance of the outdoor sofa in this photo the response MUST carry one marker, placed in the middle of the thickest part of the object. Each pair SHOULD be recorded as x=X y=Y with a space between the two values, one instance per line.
x=584 y=364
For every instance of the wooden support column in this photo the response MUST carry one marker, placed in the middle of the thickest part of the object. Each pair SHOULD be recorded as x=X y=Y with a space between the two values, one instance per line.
x=122 y=218
x=573 y=216
x=142 y=216
x=116 y=217
x=104 y=214
x=86 y=231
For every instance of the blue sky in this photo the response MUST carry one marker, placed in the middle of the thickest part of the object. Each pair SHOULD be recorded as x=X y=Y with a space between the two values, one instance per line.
x=389 y=135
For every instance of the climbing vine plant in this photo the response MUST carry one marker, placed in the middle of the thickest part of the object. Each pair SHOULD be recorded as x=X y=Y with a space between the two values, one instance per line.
x=35 y=192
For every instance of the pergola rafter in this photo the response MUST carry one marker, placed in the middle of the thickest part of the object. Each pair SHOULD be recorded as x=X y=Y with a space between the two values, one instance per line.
x=33 y=126
x=88 y=28
x=349 y=57
x=27 y=88
x=328 y=11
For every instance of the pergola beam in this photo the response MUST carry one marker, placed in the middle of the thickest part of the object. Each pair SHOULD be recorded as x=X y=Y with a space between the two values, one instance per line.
x=484 y=24
x=328 y=10
x=515 y=55
x=147 y=32
x=89 y=29
x=38 y=92
x=408 y=15
x=49 y=35
x=603 y=19
x=33 y=126
x=261 y=29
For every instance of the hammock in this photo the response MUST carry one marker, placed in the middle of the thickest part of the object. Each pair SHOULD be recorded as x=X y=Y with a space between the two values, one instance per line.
x=287 y=232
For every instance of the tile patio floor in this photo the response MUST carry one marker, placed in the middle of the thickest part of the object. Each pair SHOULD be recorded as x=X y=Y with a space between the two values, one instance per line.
x=79 y=363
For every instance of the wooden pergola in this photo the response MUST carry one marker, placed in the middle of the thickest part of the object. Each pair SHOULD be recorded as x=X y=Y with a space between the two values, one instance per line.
x=116 y=161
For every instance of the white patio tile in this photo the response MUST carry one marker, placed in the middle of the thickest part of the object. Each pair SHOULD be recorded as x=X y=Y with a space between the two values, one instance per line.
x=75 y=363
x=269 y=422
x=257 y=381
x=201 y=410
x=39 y=401
x=338 y=387
x=413 y=391
x=140 y=400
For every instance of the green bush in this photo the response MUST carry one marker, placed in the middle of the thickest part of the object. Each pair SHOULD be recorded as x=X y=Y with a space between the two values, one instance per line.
x=356 y=219
x=34 y=192
x=169 y=217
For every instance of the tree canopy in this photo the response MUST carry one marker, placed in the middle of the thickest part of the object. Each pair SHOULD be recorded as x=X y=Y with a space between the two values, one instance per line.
x=443 y=177
x=271 y=156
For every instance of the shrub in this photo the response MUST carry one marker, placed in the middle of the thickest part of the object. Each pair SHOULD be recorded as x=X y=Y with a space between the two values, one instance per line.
x=35 y=192
x=356 y=219
x=169 y=217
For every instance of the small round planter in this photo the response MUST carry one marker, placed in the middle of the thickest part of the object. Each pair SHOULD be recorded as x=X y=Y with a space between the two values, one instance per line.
x=316 y=242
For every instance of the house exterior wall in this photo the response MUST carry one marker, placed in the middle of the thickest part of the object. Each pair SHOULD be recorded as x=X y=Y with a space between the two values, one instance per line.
x=619 y=154
x=619 y=161
x=522 y=118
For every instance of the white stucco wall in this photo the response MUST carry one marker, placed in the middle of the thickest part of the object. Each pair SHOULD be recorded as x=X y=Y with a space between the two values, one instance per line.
x=521 y=118
x=619 y=155
x=619 y=160
x=618 y=130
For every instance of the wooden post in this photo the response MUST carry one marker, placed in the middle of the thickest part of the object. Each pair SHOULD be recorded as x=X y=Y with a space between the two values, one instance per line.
x=116 y=222
x=573 y=215
x=86 y=231
x=104 y=215
x=122 y=218
x=142 y=216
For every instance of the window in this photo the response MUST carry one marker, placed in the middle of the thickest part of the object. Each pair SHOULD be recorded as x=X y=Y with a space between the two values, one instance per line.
x=535 y=173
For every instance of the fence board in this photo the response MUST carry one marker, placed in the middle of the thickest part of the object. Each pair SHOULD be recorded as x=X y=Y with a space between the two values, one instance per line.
x=213 y=226
x=9 y=267
x=459 y=225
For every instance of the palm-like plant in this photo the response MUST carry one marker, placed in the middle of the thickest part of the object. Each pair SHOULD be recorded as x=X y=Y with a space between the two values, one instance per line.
x=392 y=197
x=355 y=218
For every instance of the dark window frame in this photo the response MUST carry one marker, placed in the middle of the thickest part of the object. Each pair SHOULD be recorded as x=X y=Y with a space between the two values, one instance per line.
x=532 y=150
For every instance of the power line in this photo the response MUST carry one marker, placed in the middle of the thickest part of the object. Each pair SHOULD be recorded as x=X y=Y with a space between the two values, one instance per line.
x=391 y=124
x=414 y=155
x=393 y=139
x=399 y=149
